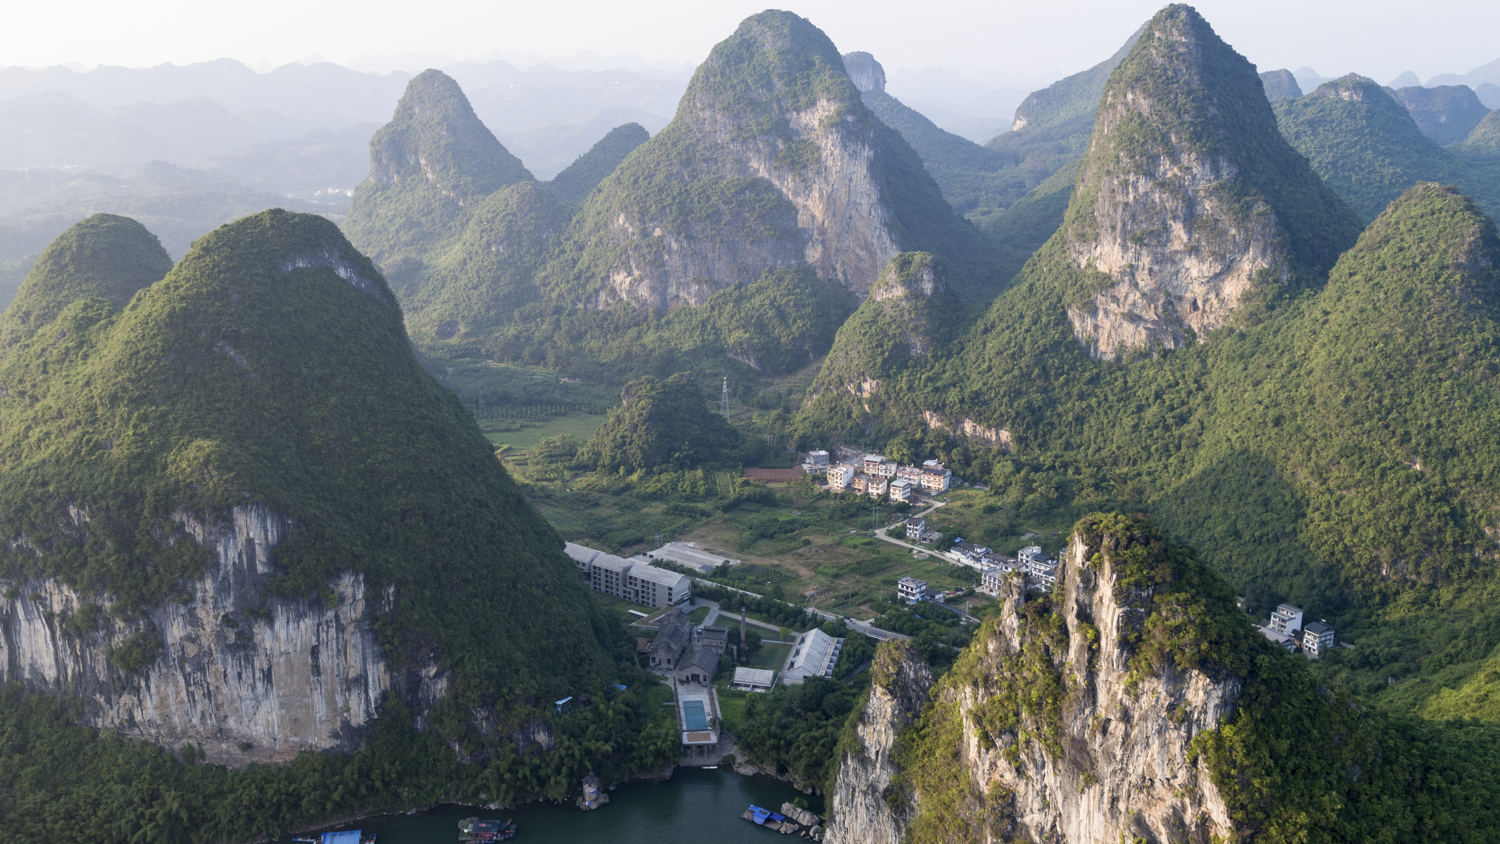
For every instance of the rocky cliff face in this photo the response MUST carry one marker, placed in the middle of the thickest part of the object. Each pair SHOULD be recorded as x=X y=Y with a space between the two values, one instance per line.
x=1059 y=723
x=235 y=666
x=859 y=804
x=772 y=161
x=1183 y=207
x=864 y=71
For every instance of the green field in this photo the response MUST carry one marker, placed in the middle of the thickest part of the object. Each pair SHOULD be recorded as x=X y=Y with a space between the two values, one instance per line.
x=521 y=435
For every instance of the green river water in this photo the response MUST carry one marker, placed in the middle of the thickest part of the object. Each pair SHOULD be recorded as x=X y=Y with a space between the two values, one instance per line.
x=693 y=806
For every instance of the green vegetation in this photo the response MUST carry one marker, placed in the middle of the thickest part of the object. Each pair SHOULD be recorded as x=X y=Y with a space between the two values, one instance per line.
x=255 y=374
x=1313 y=457
x=660 y=425
x=1368 y=148
x=1445 y=113
x=1295 y=761
x=575 y=182
x=104 y=256
x=1280 y=85
x=432 y=162
x=64 y=783
x=1484 y=141
x=795 y=729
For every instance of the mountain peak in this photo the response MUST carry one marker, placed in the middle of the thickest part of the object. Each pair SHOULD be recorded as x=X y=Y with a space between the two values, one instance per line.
x=865 y=71
x=435 y=134
x=1354 y=88
x=1190 y=205
x=104 y=256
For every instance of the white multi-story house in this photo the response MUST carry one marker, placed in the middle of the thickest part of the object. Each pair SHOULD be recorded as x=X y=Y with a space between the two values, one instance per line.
x=935 y=478
x=1286 y=619
x=911 y=590
x=816 y=461
x=914 y=528
x=876 y=487
x=902 y=490
x=992 y=580
x=840 y=477
x=1317 y=638
x=909 y=473
x=872 y=464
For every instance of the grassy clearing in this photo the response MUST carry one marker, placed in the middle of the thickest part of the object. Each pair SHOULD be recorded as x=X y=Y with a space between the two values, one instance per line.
x=770 y=656
x=522 y=435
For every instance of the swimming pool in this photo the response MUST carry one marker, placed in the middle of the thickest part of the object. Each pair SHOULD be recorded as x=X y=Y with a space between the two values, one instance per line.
x=693 y=715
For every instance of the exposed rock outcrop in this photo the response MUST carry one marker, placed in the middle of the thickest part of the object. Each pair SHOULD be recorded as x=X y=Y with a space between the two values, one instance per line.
x=1063 y=721
x=236 y=666
x=864 y=71
x=866 y=806
x=772 y=161
x=1184 y=209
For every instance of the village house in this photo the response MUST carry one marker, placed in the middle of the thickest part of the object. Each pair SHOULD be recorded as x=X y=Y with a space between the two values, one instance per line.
x=914 y=528
x=840 y=477
x=1317 y=638
x=700 y=666
x=935 y=478
x=876 y=488
x=992 y=580
x=909 y=473
x=1040 y=569
x=902 y=490
x=872 y=463
x=1286 y=620
x=911 y=590
x=815 y=462
x=861 y=482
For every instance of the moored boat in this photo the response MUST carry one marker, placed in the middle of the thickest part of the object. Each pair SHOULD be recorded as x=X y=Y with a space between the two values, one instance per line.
x=348 y=836
x=476 y=831
x=770 y=820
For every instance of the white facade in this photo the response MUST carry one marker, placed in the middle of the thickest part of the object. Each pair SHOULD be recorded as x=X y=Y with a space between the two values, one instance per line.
x=876 y=487
x=814 y=655
x=840 y=477
x=873 y=463
x=1317 y=638
x=902 y=490
x=935 y=478
x=1285 y=619
x=753 y=680
x=992 y=579
x=914 y=528
x=911 y=590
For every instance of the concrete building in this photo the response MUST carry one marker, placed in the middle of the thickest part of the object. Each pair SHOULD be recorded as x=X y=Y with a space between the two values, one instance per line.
x=674 y=634
x=872 y=463
x=860 y=484
x=992 y=580
x=1279 y=638
x=688 y=554
x=935 y=478
x=885 y=469
x=1042 y=573
x=582 y=556
x=1286 y=619
x=911 y=590
x=902 y=490
x=840 y=477
x=753 y=680
x=815 y=462
x=909 y=473
x=814 y=655
x=633 y=580
x=1317 y=638
x=915 y=528
x=876 y=488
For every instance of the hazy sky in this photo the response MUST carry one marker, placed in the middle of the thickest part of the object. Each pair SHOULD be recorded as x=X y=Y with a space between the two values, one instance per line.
x=1379 y=38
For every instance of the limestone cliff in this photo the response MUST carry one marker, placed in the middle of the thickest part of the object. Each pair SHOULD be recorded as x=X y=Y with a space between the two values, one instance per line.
x=772 y=161
x=242 y=673
x=237 y=511
x=1070 y=718
x=868 y=772
x=1190 y=207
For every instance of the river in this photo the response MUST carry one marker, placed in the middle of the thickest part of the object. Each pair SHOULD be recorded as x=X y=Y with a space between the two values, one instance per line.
x=693 y=806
